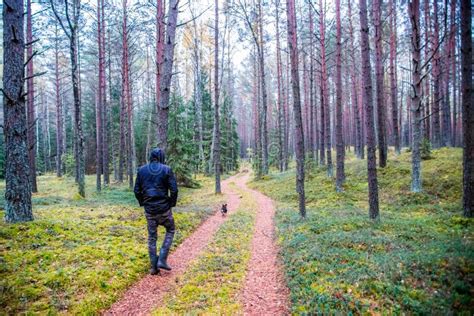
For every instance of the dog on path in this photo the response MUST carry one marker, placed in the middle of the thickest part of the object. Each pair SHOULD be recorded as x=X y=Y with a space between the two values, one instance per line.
x=224 y=209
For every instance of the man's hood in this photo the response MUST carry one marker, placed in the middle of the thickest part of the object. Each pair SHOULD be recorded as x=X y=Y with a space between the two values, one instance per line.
x=158 y=155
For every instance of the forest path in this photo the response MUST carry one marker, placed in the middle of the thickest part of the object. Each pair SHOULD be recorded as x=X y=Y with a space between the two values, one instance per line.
x=147 y=294
x=265 y=291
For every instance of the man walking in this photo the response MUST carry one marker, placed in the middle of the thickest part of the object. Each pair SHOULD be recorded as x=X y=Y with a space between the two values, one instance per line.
x=154 y=181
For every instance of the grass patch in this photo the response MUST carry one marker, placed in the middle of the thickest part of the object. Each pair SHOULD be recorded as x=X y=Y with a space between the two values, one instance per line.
x=212 y=283
x=79 y=255
x=418 y=260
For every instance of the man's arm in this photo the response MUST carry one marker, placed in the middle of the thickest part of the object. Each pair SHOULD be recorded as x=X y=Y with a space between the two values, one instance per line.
x=138 y=189
x=173 y=187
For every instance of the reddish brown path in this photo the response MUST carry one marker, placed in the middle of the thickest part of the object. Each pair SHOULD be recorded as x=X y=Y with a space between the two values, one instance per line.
x=265 y=291
x=148 y=293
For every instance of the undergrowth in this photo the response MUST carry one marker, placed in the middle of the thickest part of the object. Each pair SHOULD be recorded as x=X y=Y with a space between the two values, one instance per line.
x=79 y=255
x=211 y=285
x=418 y=260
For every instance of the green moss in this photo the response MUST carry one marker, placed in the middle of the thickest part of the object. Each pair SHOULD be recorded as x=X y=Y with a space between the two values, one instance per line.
x=79 y=255
x=212 y=283
x=417 y=260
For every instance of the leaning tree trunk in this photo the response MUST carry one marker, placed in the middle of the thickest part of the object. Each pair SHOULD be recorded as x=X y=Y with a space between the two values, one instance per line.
x=379 y=80
x=414 y=14
x=167 y=72
x=299 y=137
x=467 y=108
x=369 y=112
x=17 y=169
x=340 y=175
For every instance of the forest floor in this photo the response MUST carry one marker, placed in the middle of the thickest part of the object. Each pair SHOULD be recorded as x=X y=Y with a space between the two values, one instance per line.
x=60 y=263
x=419 y=259
x=86 y=256
x=79 y=255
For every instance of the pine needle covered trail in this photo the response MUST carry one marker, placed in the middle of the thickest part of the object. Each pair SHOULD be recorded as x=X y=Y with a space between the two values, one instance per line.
x=148 y=293
x=265 y=292
x=261 y=292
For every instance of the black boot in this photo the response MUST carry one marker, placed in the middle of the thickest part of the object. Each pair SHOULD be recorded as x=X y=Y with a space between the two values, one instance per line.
x=162 y=259
x=153 y=268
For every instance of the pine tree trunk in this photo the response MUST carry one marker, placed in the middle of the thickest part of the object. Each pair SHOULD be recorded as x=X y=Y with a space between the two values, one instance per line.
x=379 y=74
x=299 y=137
x=427 y=94
x=340 y=174
x=263 y=91
x=393 y=80
x=281 y=107
x=359 y=143
x=467 y=108
x=437 y=141
x=167 y=72
x=369 y=112
x=17 y=168
x=59 y=109
x=414 y=14
x=105 y=110
x=31 y=117
x=217 y=132
x=99 y=100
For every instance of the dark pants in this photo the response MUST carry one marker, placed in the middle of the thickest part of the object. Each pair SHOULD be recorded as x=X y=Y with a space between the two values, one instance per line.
x=153 y=220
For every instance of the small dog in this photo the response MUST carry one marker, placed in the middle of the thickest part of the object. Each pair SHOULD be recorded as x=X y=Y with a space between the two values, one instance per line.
x=224 y=209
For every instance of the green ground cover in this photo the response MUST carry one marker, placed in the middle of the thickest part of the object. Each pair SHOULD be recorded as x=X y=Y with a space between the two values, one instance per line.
x=419 y=259
x=79 y=255
x=211 y=285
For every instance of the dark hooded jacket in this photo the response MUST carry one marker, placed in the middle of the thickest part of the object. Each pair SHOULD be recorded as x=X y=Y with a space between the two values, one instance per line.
x=153 y=183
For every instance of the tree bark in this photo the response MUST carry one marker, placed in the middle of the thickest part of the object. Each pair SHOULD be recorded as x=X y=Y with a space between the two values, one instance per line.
x=167 y=73
x=325 y=93
x=59 y=109
x=369 y=112
x=17 y=168
x=379 y=80
x=263 y=90
x=340 y=174
x=299 y=137
x=393 y=80
x=31 y=116
x=217 y=132
x=281 y=107
x=437 y=82
x=99 y=105
x=414 y=14
x=467 y=108
x=359 y=143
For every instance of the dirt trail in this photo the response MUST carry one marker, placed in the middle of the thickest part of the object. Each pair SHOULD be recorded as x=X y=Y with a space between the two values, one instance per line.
x=143 y=297
x=264 y=291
